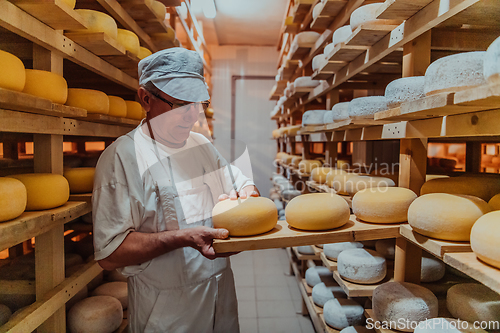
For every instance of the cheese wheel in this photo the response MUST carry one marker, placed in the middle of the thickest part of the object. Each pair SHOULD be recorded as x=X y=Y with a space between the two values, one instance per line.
x=473 y=302
x=5 y=314
x=332 y=174
x=340 y=111
x=386 y=247
x=403 y=90
x=403 y=303
x=333 y=250
x=80 y=295
x=313 y=117
x=254 y=215
x=339 y=181
x=70 y=3
x=168 y=36
x=98 y=22
x=366 y=107
x=383 y=204
x=94 y=101
x=275 y=134
x=484 y=238
x=446 y=325
x=306 y=166
x=341 y=313
x=354 y=184
x=117 y=107
x=318 y=62
x=357 y=329
x=279 y=154
x=319 y=174
x=97 y=314
x=494 y=202
x=159 y=10
x=318 y=274
x=296 y=160
x=44 y=190
x=307 y=249
x=287 y=159
x=432 y=269
x=484 y=187
x=134 y=110
x=293 y=130
x=455 y=72
x=431 y=177
x=13 y=198
x=128 y=40
x=318 y=9
x=305 y=82
x=81 y=180
x=491 y=69
x=341 y=34
x=289 y=194
x=144 y=52
x=446 y=216
x=12 y=72
x=361 y=266
x=306 y=38
x=47 y=85
x=366 y=14
x=16 y=299
x=117 y=290
x=328 y=49
x=321 y=293
x=317 y=211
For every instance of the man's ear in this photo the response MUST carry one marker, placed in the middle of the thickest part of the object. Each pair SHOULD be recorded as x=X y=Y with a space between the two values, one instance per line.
x=144 y=98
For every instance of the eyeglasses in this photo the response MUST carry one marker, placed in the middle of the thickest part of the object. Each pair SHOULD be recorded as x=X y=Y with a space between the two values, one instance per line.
x=201 y=106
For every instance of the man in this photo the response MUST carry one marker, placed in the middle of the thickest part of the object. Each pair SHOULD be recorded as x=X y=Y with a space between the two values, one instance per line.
x=154 y=191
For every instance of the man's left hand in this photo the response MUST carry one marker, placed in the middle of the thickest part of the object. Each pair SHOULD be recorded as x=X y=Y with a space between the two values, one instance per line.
x=247 y=191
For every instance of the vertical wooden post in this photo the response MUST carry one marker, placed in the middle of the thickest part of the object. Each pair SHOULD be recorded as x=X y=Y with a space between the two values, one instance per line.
x=417 y=55
x=407 y=261
x=332 y=98
x=412 y=163
x=330 y=151
x=306 y=153
x=473 y=156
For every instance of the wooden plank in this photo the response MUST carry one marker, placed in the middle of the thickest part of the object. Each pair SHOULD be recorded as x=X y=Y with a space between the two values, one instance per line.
x=332 y=7
x=320 y=23
x=401 y=9
x=299 y=52
x=369 y=34
x=343 y=52
x=317 y=309
x=328 y=328
x=127 y=62
x=330 y=264
x=302 y=256
x=468 y=263
x=412 y=164
x=105 y=119
x=98 y=43
x=485 y=97
x=361 y=290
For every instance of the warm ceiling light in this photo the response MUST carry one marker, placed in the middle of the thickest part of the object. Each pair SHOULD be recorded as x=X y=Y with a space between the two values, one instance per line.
x=209 y=9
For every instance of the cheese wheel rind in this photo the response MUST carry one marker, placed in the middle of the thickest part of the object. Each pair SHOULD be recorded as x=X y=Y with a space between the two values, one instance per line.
x=81 y=180
x=341 y=313
x=12 y=72
x=128 y=40
x=364 y=14
x=98 y=22
x=366 y=107
x=134 y=110
x=306 y=249
x=95 y=314
x=491 y=69
x=144 y=52
x=47 y=85
x=361 y=266
x=484 y=238
x=115 y=289
x=332 y=250
x=321 y=293
x=403 y=90
x=432 y=269
x=318 y=274
x=307 y=166
x=13 y=198
x=117 y=107
x=94 y=101
x=484 y=187
x=473 y=302
x=159 y=9
x=319 y=174
x=341 y=34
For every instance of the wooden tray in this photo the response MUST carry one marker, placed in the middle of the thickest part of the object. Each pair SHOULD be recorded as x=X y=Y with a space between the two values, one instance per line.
x=105 y=119
x=369 y=34
x=330 y=264
x=97 y=42
x=361 y=290
x=302 y=256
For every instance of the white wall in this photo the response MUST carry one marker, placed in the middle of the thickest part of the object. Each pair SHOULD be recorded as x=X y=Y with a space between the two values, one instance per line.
x=253 y=124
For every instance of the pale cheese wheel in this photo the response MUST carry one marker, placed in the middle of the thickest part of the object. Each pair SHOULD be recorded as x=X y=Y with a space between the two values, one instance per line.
x=128 y=40
x=251 y=216
x=159 y=9
x=134 y=110
x=47 y=85
x=386 y=247
x=328 y=49
x=305 y=82
x=144 y=52
x=13 y=198
x=81 y=180
x=319 y=174
x=94 y=101
x=318 y=9
x=117 y=107
x=341 y=313
x=287 y=159
x=341 y=34
x=357 y=329
x=321 y=293
x=97 y=314
x=361 y=266
x=280 y=154
x=307 y=249
x=98 y=22
x=16 y=299
x=306 y=166
x=354 y=184
x=318 y=274
x=332 y=174
x=431 y=177
x=491 y=69
x=446 y=216
x=318 y=62
x=446 y=325
x=340 y=111
x=364 y=14
x=296 y=160
x=494 y=202
x=383 y=204
x=455 y=72
x=70 y=3
x=317 y=211
x=339 y=181
x=402 y=303
x=290 y=194
x=406 y=89
x=366 y=107
x=432 y=269
x=5 y=314
x=44 y=190
x=306 y=38
x=484 y=187
x=484 y=238
x=12 y=72
x=314 y=117
x=117 y=290
x=332 y=250
x=115 y=275
x=473 y=302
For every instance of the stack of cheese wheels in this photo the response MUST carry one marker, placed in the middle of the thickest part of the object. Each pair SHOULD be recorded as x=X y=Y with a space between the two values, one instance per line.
x=446 y=325
x=341 y=34
x=318 y=62
x=357 y=329
x=473 y=302
x=491 y=69
x=317 y=211
x=13 y=198
x=98 y=22
x=245 y=217
x=306 y=249
x=319 y=174
x=432 y=269
x=383 y=204
x=81 y=180
x=340 y=313
x=318 y=274
x=328 y=49
x=129 y=41
x=134 y=110
x=361 y=266
x=5 y=314
x=296 y=161
x=12 y=72
x=386 y=247
x=314 y=117
x=484 y=238
x=366 y=107
x=94 y=101
x=402 y=303
x=44 y=190
x=117 y=107
x=446 y=216
x=144 y=52
x=307 y=166
x=47 y=85
x=455 y=72
x=494 y=202
x=95 y=314
x=322 y=293
x=403 y=90
x=332 y=174
x=484 y=187
x=305 y=82
x=340 y=112
x=333 y=250
x=116 y=289
x=159 y=9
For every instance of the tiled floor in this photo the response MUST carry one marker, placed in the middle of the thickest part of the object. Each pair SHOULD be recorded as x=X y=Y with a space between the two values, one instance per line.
x=269 y=300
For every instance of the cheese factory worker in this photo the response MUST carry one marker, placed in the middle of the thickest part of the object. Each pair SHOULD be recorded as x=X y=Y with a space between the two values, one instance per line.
x=154 y=191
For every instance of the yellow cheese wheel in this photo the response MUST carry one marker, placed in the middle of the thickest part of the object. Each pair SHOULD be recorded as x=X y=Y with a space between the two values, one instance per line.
x=332 y=174
x=484 y=238
x=251 y=216
x=12 y=72
x=280 y=154
x=134 y=110
x=47 y=85
x=307 y=166
x=342 y=164
x=319 y=174
x=287 y=159
x=70 y=3
x=446 y=216
x=94 y=101
x=293 y=130
x=317 y=211
x=12 y=198
x=159 y=9
x=117 y=106
x=95 y=314
x=383 y=204
x=484 y=187
x=44 y=190
x=144 y=52
x=296 y=160
x=98 y=22
x=128 y=40
x=81 y=180
x=495 y=202
x=339 y=181
x=164 y=36
x=275 y=133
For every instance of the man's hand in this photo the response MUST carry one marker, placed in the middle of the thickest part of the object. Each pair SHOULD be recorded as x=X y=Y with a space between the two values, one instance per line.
x=201 y=239
x=247 y=191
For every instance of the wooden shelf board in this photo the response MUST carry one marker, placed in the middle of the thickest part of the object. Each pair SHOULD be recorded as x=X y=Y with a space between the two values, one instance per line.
x=369 y=34
x=320 y=23
x=328 y=328
x=484 y=97
x=311 y=307
x=79 y=226
x=128 y=61
x=434 y=246
x=343 y=52
x=98 y=43
x=300 y=10
x=330 y=264
x=54 y=13
x=284 y=236
x=361 y=290
x=302 y=256
x=467 y=263
x=300 y=52
x=317 y=309
x=322 y=75
x=105 y=119
x=369 y=314
x=307 y=288
x=139 y=10
x=85 y=197
x=332 y=7
x=400 y=9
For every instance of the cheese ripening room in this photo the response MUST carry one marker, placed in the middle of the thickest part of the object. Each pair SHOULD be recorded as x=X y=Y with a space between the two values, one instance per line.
x=249 y=166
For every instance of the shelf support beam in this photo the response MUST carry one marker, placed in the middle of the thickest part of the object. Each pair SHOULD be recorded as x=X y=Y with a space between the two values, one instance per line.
x=412 y=163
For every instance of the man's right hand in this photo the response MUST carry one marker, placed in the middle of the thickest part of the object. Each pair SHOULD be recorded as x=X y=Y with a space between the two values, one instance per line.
x=201 y=239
